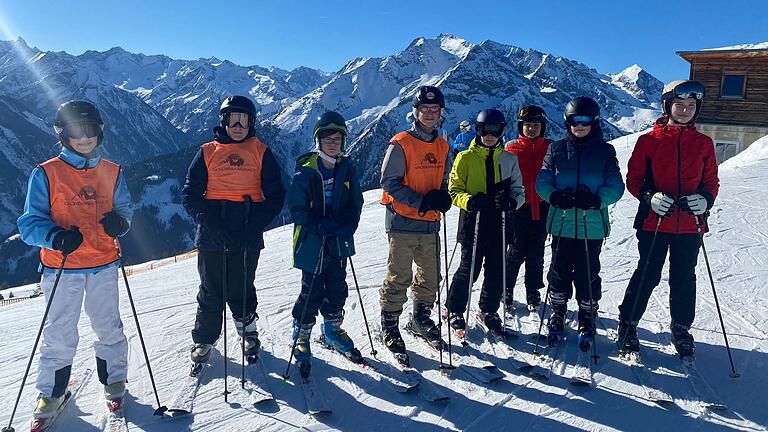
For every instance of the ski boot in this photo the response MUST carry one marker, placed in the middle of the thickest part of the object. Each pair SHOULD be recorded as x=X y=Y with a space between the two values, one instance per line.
x=390 y=336
x=492 y=322
x=201 y=352
x=629 y=344
x=683 y=342
x=509 y=303
x=421 y=325
x=47 y=407
x=533 y=299
x=587 y=316
x=556 y=324
x=114 y=394
x=301 y=334
x=251 y=336
x=337 y=338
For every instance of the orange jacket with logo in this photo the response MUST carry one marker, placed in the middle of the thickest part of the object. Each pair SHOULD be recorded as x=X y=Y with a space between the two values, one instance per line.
x=424 y=172
x=80 y=197
x=234 y=170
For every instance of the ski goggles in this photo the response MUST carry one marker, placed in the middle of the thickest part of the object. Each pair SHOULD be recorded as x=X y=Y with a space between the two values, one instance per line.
x=689 y=89
x=496 y=130
x=238 y=119
x=580 y=120
x=80 y=130
x=429 y=109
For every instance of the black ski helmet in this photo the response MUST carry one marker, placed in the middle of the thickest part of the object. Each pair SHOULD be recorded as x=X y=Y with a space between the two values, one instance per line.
x=240 y=104
x=531 y=114
x=581 y=106
x=77 y=112
x=489 y=117
x=682 y=89
x=428 y=95
x=330 y=122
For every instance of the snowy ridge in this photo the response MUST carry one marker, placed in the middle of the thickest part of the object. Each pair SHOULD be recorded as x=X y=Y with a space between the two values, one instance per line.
x=165 y=299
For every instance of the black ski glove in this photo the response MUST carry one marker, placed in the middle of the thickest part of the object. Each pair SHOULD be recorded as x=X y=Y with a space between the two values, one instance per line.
x=586 y=200
x=436 y=199
x=67 y=241
x=480 y=201
x=114 y=224
x=502 y=201
x=327 y=227
x=562 y=199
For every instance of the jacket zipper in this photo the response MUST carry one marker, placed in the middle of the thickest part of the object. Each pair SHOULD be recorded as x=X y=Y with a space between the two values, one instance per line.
x=679 y=181
x=578 y=178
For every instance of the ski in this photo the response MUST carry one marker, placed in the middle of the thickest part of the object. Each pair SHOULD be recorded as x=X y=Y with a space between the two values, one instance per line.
x=76 y=383
x=395 y=381
x=427 y=389
x=184 y=400
x=113 y=420
x=582 y=370
x=316 y=403
x=645 y=378
x=705 y=393
x=480 y=369
x=546 y=360
x=256 y=381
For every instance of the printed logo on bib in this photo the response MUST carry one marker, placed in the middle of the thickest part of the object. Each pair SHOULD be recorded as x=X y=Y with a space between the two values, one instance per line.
x=428 y=162
x=235 y=160
x=86 y=196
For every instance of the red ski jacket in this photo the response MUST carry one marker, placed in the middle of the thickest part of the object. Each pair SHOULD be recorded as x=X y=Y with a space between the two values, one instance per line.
x=530 y=156
x=675 y=160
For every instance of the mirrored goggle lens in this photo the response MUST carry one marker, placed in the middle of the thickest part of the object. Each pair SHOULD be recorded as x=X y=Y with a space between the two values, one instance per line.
x=238 y=119
x=430 y=109
x=78 y=131
x=493 y=129
x=580 y=120
x=690 y=89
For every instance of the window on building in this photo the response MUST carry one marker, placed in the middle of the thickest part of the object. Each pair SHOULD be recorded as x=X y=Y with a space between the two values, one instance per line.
x=733 y=86
x=725 y=150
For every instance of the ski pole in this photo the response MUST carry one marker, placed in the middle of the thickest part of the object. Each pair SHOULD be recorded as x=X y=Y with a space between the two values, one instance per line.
x=362 y=306
x=304 y=309
x=592 y=308
x=549 y=285
x=472 y=271
x=450 y=263
x=447 y=266
x=160 y=408
x=504 y=266
x=636 y=300
x=10 y=428
x=247 y=211
x=734 y=374
x=224 y=319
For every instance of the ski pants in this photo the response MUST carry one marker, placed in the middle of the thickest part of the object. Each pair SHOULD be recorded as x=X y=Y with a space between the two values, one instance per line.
x=683 y=256
x=526 y=245
x=490 y=255
x=60 y=334
x=570 y=269
x=210 y=297
x=329 y=290
x=404 y=250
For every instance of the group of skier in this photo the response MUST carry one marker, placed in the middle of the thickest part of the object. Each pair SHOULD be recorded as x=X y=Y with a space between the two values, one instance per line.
x=510 y=196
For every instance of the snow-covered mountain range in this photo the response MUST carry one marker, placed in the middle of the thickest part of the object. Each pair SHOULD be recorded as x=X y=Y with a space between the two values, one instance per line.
x=157 y=107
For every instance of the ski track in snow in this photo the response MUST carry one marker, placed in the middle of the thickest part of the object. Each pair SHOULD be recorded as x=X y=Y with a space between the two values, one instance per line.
x=165 y=300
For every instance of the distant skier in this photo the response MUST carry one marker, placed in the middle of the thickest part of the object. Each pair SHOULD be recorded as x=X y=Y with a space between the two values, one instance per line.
x=76 y=204
x=485 y=181
x=527 y=229
x=325 y=201
x=233 y=191
x=580 y=178
x=414 y=177
x=673 y=172
x=463 y=139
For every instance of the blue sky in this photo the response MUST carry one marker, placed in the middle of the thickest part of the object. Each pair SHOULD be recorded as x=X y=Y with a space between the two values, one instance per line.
x=605 y=35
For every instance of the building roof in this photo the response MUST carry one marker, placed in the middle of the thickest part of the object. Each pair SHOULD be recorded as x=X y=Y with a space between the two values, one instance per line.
x=735 y=51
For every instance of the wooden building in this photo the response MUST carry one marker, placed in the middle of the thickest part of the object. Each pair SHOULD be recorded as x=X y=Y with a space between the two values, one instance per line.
x=735 y=110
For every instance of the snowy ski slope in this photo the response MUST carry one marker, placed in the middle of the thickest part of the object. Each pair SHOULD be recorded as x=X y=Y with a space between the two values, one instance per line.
x=165 y=298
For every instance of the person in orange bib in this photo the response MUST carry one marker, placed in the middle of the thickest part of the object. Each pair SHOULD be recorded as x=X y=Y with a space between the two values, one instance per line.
x=77 y=203
x=414 y=179
x=233 y=191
